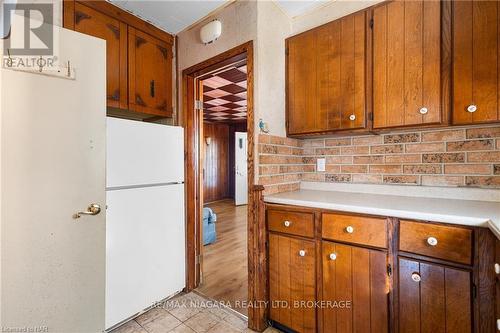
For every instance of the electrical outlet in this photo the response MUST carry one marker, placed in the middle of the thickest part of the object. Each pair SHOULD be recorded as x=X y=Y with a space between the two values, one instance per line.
x=320 y=164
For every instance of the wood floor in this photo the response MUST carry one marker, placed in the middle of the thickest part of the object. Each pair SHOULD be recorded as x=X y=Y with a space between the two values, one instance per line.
x=225 y=275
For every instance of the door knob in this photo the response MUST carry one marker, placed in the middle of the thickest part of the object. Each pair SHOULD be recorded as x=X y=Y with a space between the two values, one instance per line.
x=333 y=256
x=416 y=277
x=93 y=209
x=423 y=110
x=432 y=241
x=472 y=108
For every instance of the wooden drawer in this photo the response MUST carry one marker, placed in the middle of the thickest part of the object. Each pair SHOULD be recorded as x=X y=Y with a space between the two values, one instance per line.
x=370 y=231
x=290 y=222
x=453 y=243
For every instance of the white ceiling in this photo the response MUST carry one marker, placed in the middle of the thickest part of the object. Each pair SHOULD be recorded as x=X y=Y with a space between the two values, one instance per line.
x=172 y=16
x=295 y=8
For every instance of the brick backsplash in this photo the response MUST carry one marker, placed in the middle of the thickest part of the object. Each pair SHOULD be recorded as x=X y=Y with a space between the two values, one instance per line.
x=465 y=156
x=281 y=164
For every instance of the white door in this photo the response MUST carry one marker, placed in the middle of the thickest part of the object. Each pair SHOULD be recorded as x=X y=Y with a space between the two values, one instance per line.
x=53 y=165
x=241 y=181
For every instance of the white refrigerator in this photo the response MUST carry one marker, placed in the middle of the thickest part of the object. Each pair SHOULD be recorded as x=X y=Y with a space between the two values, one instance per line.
x=145 y=231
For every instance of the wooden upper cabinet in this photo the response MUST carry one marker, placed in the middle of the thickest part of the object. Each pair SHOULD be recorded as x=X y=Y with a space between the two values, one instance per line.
x=476 y=75
x=360 y=276
x=407 y=76
x=138 y=58
x=326 y=77
x=301 y=84
x=341 y=73
x=150 y=74
x=114 y=32
x=433 y=298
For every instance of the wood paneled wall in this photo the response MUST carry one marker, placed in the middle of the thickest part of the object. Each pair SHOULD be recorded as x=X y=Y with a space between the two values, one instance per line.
x=216 y=177
x=219 y=160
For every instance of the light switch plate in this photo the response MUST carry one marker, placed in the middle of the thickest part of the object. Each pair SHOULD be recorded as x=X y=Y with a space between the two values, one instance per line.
x=320 y=164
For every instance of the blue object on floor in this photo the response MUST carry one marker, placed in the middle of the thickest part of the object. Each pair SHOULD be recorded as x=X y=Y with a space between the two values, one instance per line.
x=209 y=233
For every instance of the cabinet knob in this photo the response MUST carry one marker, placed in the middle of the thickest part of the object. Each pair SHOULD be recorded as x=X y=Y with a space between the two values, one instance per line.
x=423 y=110
x=302 y=253
x=333 y=256
x=287 y=223
x=352 y=117
x=497 y=268
x=416 y=277
x=349 y=229
x=432 y=241
x=472 y=108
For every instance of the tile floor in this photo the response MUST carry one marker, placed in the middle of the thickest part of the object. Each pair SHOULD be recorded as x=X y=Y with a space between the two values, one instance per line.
x=187 y=313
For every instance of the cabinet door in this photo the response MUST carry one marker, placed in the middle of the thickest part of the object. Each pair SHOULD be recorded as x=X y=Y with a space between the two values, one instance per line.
x=292 y=282
x=357 y=275
x=94 y=23
x=433 y=298
x=326 y=77
x=341 y=55
x=406 y=63
x=150 y=74
x=301 y=84
x=476 y=40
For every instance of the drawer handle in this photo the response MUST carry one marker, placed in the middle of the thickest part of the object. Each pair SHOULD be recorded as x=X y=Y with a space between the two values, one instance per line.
x=432 y=241
x=423 y=110
x=416 y=277
x=287 y=223
x=333 y=256
x=349 y=229
x=472 y=108
x=352 y=117
x=302 y=253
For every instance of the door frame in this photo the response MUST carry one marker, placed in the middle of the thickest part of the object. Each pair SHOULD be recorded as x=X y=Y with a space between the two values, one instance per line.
x=192 y=120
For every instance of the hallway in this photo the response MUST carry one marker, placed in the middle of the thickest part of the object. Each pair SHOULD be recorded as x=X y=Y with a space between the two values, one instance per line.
x=225 y=276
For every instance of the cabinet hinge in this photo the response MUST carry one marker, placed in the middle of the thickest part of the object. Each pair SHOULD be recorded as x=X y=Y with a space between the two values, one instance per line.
x=371 y=23
x=389 y=270
x=370 y=116
x=474 y=291
x=198 y=259
x=286 y=50
x=198 y=105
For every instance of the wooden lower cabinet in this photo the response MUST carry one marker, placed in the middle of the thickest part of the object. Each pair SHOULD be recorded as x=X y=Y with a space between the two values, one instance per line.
x=359 y=276
x=376 y=274
x=292 y=282
x=433 y=298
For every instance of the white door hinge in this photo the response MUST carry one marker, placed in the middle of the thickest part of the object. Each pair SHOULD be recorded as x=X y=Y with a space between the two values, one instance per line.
x=198 y=105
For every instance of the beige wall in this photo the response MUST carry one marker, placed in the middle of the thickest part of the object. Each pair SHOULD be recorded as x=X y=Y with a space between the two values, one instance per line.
x=267 y=26
x=273 y=27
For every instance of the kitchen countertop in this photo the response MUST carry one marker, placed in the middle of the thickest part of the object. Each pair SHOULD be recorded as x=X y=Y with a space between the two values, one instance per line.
x=454 y=211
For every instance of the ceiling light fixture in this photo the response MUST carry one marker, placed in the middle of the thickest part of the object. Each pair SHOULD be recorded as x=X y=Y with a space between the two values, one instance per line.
x=211 y=31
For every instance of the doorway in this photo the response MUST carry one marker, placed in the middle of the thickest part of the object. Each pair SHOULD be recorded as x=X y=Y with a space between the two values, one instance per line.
x=223 y=257
x=207 y=268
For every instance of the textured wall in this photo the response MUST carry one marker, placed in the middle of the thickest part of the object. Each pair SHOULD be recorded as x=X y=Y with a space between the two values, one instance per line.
x=462 y=156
